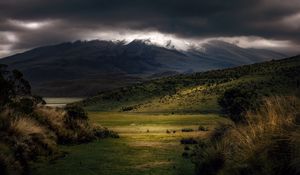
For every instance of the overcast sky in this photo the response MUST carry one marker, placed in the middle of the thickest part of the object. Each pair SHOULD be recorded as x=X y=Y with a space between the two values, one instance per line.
x=272 y=24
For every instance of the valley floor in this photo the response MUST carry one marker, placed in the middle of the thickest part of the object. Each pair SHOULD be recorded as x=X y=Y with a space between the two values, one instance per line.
x=144 y=146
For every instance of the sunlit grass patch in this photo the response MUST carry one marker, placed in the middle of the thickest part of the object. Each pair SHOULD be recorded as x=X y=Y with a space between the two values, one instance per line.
x=144 y=146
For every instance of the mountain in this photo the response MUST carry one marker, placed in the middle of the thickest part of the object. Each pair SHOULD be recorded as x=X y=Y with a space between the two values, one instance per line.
x=199 y=92
x=83 y=68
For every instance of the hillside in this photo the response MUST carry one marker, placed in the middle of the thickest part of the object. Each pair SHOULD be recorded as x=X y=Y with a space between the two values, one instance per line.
x=82 y=68
x=198 y=92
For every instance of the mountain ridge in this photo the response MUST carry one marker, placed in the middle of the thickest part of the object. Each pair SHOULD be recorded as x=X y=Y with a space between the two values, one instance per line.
x=95 y=65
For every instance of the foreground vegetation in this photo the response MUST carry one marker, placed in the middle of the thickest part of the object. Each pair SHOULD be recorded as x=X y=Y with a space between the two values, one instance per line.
x=29 y=130
x=267 y=143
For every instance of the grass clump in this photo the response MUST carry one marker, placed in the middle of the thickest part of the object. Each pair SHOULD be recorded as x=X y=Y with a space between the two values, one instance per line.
x=187 y=130
x=267 y=143
x=103 y=132
x=202 y=128
x=24 y=140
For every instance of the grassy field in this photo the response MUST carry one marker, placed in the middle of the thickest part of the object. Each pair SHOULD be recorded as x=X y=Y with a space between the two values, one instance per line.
x=144 y=146
x=167 y=104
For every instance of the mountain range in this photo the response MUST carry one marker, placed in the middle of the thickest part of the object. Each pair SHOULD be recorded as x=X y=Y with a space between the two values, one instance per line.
x=83 y=68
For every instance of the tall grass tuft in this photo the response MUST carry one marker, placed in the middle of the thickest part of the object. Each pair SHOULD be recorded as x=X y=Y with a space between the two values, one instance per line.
x=267 y=143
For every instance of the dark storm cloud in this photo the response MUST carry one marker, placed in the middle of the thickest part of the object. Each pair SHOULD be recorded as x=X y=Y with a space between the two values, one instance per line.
x=270 y=19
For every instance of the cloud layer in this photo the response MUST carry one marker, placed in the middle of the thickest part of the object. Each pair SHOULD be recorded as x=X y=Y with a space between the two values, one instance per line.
x=264 y=23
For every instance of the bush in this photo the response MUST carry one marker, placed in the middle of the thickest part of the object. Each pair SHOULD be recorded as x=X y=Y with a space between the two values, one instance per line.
x=187 y=130
x=69 y=129
x=128 y=108
x=75 y=112
x=24 y=105
x=236 y=102
x=102 y=132
x=202 y=128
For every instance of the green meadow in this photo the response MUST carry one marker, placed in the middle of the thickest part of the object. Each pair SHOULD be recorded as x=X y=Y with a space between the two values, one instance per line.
x=144 y=146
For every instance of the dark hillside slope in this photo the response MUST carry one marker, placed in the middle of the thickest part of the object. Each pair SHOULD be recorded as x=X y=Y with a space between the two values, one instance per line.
x=198 y=92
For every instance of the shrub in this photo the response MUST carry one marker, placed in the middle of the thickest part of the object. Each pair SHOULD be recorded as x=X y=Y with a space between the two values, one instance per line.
x=102 y=132
x=187 y=130
x=75 y=112
x=236 y=102
x=69 y=129
x=202 y=128
x=128 y=108
x=23 y=105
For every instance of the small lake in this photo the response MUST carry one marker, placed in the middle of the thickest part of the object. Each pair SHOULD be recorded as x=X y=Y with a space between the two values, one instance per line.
x=60 y=101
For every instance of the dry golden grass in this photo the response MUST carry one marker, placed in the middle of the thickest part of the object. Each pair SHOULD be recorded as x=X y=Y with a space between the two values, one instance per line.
x=267 y=143
x=26 y=126
x=67 y=129
x=275 y=118
x=54 y=116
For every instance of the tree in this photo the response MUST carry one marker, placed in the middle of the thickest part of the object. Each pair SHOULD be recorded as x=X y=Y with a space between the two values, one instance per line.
x=12 y=85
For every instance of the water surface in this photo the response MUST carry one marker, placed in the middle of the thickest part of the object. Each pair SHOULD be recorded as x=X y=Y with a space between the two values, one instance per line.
x=61 y=101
